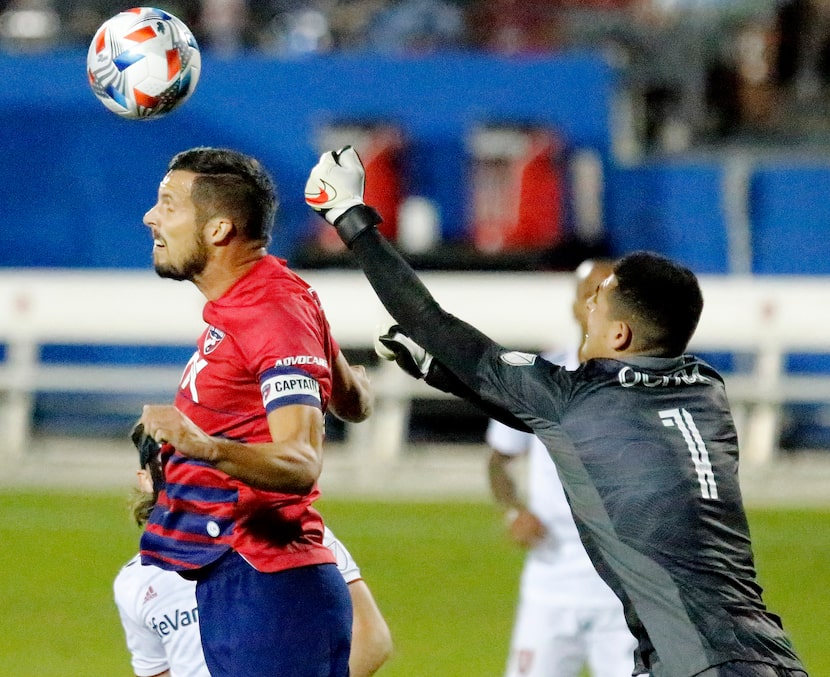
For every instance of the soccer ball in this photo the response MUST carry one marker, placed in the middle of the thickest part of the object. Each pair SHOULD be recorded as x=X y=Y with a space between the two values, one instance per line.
x=143 y=63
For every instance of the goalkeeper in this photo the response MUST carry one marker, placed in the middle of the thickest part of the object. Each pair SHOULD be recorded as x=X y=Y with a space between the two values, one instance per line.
x=641 y=434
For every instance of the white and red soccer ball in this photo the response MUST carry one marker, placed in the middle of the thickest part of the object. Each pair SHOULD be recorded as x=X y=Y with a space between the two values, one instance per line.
x=143 y=63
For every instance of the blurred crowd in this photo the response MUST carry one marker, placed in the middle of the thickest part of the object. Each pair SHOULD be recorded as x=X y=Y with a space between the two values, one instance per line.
x=700 y=69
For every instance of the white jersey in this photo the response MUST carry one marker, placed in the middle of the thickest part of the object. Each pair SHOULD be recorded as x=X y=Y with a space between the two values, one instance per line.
x=557 y=569
x=161 y=621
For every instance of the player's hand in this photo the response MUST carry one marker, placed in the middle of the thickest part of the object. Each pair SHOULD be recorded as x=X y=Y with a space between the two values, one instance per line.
x=395 y=345
x=336 y=183
x=335 y=191
x=525 y=528
x=167 y=425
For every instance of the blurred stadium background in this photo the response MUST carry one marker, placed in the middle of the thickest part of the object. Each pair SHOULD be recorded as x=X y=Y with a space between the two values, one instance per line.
x=695 y=128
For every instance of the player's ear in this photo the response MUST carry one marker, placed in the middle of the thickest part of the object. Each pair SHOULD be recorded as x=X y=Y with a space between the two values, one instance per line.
x=621 y=336
x=145 y=482
x=219 y=230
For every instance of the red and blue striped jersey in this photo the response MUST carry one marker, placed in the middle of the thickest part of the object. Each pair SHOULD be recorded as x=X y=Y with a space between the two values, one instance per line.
x=267 y=345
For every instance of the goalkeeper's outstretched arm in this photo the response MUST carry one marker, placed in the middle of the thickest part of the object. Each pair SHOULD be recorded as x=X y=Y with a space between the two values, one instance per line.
x=335 y=190
x=443 y=379
x=395 y=345
x=450 y=340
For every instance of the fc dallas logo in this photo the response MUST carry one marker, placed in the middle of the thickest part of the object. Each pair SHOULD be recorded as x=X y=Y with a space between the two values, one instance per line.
x=213 y=338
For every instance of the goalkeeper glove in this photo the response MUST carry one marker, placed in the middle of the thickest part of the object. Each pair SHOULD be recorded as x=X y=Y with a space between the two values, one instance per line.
x=335 y=191
x=396 y=345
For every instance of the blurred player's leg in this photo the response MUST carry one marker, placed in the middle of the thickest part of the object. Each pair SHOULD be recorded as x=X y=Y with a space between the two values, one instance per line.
x=610 y=644
x=545 y=642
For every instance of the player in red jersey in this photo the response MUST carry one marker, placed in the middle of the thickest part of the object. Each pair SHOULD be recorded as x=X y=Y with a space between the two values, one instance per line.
x=158 y=609
x=242 y=445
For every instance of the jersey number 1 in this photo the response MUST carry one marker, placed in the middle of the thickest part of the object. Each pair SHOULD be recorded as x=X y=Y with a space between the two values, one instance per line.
x=683 y=421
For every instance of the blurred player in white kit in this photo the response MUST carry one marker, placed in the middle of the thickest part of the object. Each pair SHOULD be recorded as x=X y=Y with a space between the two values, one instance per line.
x=567 y=617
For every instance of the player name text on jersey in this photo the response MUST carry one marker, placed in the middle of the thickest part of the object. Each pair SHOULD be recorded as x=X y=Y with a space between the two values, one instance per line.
x=629 y=378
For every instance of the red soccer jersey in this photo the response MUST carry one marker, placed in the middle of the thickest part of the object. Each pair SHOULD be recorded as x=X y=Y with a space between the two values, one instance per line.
x=267 y=345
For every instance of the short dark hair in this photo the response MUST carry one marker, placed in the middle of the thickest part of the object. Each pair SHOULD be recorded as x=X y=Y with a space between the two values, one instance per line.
x=661 y=299
x=234 y=184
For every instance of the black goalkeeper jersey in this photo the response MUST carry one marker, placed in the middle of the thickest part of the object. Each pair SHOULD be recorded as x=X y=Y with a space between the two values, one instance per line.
x=648 y=456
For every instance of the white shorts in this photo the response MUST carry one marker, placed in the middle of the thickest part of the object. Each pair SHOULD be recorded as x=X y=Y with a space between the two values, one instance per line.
x=557 y=641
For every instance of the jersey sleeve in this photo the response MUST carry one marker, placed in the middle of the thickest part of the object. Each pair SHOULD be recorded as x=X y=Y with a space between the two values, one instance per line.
x=147 y=653
x=345 y=562
x=291 y=352
x=440 y=377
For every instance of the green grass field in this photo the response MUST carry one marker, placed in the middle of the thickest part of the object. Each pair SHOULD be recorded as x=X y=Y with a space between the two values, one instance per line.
x=443 y=575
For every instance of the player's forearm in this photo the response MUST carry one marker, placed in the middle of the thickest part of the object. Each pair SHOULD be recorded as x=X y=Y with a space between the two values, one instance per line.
x=452 y=341
x=290 y=463
x=371 y=639
x=502 y=485
x=335 y=189
x=289 y=467
x=354 y=406
x=368 y=656
x=352 y=397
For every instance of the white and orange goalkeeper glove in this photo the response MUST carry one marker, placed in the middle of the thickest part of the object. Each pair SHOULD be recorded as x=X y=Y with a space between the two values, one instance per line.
x=335 y=191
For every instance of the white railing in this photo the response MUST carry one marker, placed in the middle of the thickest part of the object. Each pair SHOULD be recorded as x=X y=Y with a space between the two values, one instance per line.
x=763 y=319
